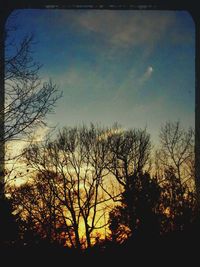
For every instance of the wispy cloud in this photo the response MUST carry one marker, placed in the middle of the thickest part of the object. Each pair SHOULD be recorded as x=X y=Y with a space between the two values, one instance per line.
x=133 y=82
x=125 y=28
x=83 y=82
x=15 y=147
x=146 y=76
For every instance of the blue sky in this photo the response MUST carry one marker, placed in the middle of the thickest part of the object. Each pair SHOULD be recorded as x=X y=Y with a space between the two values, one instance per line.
x=136 y=68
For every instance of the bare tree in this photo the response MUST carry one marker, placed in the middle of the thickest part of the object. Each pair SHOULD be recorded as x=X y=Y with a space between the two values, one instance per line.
x=78 y=158
x=25 y=102
x=129 y=154
x=27 y=98
x=38 y=210
x=177 y=150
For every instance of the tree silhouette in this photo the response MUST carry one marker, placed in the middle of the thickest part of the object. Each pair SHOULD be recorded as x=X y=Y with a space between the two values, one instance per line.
x=70 y=192
x=9 y=229
x=135 y=217
x=177 y=203
x=129 y=153
x=27 y=100
x=177 y=151
x=70 y=172
x=36 y=205
x=151 y=209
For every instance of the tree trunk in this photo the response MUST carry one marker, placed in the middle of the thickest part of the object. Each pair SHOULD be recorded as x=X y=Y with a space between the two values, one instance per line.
x=87 y=235
x=78 y=244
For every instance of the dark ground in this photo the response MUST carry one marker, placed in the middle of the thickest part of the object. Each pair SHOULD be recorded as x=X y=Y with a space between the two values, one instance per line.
x=177 y=249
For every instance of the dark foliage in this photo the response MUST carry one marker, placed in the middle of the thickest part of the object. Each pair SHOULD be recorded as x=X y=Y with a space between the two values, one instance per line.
x=151 y=210
x=154 y=211
x=137 y=213
x=8 y=224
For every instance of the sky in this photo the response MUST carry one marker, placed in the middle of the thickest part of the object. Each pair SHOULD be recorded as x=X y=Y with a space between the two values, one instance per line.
x=136 y=68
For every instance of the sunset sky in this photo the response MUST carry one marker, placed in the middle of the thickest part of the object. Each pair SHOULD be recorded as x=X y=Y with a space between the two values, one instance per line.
x=132 y=67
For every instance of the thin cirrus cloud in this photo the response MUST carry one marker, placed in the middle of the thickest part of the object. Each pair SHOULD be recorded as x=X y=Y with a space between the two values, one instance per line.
x=127 y=28
x=146 y=76
x=133 y=82
x=86 y=87
x=114 y=59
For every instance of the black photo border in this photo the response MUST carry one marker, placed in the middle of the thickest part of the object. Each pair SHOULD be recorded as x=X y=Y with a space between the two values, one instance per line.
x=191 y=6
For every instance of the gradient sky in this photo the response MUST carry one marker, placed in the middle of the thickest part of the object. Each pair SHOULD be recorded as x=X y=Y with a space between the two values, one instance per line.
x=136 y=68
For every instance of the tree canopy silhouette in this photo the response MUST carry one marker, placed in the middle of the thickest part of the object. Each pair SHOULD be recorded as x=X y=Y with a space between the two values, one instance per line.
x=90 y=187
x=27 y=101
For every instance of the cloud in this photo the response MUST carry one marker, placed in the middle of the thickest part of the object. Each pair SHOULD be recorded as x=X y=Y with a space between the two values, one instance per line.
x=15 y=147
x=146 y=76
x=132 y=83
x=83 y=87
x=127 y=28
x=86 y=83
x=40 y=133
x=149 y=70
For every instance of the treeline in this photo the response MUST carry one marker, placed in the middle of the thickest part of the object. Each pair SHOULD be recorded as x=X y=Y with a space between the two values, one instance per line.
x=96 y=187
